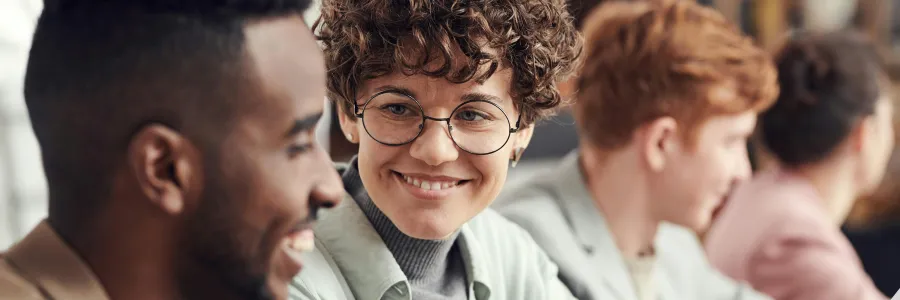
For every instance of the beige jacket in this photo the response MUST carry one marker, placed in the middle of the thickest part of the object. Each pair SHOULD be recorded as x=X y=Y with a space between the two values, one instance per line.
x=43 y=266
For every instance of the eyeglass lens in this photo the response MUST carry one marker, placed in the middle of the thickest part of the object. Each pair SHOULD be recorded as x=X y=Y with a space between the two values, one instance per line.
x=478 y=127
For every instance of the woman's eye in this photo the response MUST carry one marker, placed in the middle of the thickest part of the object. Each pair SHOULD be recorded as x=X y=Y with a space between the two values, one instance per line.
x=470 y=116
x=397 y=109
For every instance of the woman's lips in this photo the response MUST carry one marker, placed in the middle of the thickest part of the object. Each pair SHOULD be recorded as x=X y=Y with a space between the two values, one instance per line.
x=429 y=187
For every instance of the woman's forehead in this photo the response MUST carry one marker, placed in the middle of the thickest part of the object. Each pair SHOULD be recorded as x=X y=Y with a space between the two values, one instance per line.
x=427 y=89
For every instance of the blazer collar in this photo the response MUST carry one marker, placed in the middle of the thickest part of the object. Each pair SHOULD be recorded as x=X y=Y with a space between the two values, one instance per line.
x=590 y=227
x=359 y=252
x=51 y=264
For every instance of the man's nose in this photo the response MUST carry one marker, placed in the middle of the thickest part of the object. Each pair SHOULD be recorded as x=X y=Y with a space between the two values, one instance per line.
x=329 y=190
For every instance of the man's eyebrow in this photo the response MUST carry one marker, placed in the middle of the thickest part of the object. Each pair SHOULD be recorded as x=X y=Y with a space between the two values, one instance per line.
x=305 y=124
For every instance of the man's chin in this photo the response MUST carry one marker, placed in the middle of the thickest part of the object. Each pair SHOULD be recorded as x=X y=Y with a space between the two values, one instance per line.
x=699 y=223
x=282 y=272
x=278 y=288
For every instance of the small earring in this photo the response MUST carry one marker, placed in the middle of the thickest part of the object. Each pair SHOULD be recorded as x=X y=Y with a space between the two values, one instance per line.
x=349 y=137
x=517 y=155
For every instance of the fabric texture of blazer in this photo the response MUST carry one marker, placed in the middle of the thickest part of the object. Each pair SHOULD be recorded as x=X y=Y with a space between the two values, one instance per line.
x=352 y=262
x=559 y=212
x=43 y=266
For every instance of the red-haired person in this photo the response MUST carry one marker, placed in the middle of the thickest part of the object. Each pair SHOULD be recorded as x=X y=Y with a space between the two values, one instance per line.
x=666 y=100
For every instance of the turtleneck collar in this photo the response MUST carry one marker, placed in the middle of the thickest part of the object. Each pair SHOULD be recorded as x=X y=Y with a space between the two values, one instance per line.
x=421 y=260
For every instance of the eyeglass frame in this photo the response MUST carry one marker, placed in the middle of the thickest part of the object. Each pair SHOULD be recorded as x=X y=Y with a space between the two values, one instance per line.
x=425 y=117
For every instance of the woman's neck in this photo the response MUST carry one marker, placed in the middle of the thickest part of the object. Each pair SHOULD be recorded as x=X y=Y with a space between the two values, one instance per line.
x=420 y=260
x=835 y=187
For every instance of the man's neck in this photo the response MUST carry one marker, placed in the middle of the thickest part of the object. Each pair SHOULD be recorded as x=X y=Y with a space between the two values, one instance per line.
x=621 y=194
x=128 y=267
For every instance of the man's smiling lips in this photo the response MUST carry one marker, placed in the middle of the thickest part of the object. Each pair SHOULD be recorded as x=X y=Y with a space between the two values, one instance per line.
x=298 y=241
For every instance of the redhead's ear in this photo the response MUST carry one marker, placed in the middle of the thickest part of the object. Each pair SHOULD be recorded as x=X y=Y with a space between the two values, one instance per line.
x=657 y=140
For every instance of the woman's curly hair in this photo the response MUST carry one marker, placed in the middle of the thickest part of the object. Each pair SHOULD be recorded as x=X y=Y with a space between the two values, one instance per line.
x=365 y=39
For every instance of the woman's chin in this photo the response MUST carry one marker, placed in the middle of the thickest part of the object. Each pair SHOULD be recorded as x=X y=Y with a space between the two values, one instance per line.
x=427 y=231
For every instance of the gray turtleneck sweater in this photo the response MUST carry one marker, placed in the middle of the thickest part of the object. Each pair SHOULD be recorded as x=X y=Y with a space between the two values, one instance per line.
x=435 y=268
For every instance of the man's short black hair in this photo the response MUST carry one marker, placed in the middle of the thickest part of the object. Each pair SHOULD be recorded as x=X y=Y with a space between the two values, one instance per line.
x=829 y=81
x=101 y=69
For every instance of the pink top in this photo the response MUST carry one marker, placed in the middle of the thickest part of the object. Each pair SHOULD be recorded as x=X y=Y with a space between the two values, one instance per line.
x=775 y=234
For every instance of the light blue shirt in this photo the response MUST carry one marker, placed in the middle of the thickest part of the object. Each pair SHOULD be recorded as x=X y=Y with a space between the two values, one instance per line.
x=352 y=262
x=559 y=212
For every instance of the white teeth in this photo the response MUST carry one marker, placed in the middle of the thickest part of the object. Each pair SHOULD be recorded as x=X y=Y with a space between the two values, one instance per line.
x=429 y=185
x=303 y=241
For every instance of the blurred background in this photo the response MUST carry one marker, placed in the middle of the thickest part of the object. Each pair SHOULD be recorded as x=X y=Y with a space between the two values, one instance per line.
x=874 y=227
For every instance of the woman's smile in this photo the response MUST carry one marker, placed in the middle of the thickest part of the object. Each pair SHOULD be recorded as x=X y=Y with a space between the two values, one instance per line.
x=429 y=187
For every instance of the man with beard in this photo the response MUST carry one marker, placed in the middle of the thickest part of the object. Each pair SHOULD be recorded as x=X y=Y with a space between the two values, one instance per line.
x=177 y=140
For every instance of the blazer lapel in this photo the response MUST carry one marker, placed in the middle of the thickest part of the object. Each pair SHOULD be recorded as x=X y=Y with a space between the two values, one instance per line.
x=664 y=288
x=591 y=229
x=54 y=266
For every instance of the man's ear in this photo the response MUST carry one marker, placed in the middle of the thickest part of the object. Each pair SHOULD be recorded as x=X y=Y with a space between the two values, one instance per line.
x=348 y=124
x=166 y=167
x=657 y=140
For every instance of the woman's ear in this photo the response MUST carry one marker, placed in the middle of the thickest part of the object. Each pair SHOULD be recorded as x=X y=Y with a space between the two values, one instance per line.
x=349 y=124
x=520 y=140
x=861 y=134
x=522 y=137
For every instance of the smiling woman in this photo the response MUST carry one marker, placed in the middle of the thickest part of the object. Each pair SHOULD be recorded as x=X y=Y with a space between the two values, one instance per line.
x=440 y=96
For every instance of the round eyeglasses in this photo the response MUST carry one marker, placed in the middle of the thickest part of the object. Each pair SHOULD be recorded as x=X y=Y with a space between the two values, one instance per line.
x=394 y=118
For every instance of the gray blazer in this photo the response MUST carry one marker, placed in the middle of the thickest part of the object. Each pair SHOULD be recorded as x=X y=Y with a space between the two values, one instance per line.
x=556 y=208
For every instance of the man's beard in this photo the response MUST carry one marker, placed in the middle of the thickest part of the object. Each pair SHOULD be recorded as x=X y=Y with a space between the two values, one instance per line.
x=214 y=250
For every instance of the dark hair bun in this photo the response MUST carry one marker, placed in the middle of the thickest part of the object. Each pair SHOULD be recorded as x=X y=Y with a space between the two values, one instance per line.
x=828 y=81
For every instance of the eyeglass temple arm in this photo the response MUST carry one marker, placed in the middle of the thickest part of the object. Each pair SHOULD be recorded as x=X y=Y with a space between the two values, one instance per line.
x=516 y=129
x=356 y=110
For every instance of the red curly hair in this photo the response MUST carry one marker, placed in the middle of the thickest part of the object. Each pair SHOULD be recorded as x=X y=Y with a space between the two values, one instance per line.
x=646 y=60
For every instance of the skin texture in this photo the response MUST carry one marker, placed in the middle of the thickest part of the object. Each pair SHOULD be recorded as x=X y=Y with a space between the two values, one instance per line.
x=661 y=175
x=434 y=154
x=879 y=136
x=856 y=167
x=697 y=179
x=269 y=178
x=200 y=213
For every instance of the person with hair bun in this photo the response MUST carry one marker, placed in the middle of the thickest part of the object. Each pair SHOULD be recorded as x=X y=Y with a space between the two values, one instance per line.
x=831 y=133
x=442 y=97
x=178 y=142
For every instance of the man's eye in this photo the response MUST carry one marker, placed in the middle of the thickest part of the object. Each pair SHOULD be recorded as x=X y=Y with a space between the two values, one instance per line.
x=304 y=143
x=294 y=150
